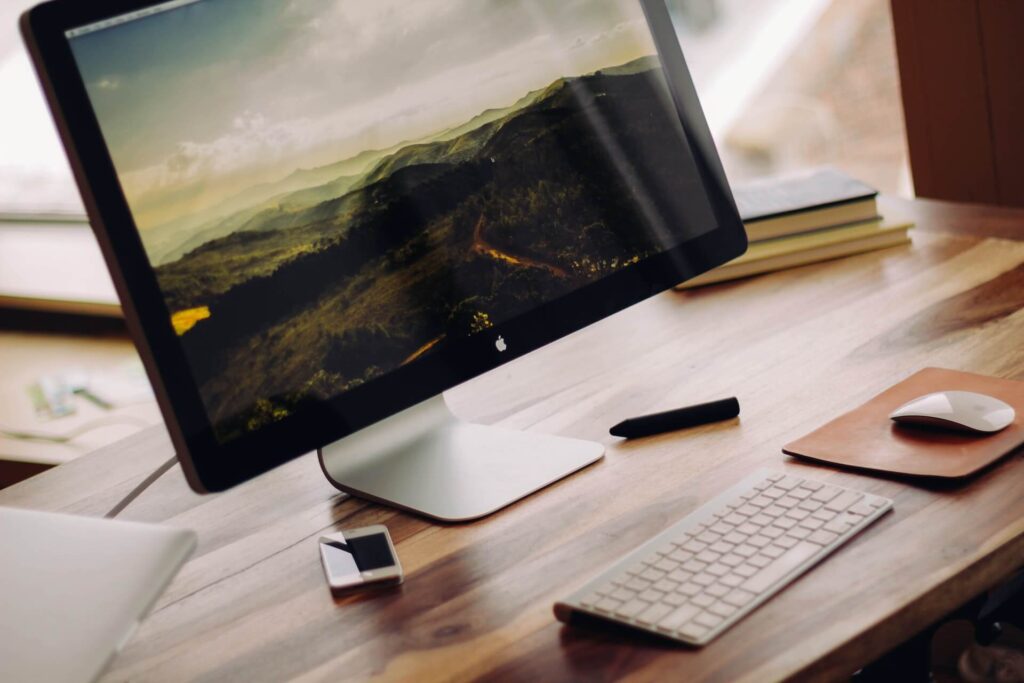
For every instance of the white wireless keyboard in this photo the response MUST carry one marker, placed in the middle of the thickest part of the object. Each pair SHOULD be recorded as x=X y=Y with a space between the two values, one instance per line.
x=716 y=565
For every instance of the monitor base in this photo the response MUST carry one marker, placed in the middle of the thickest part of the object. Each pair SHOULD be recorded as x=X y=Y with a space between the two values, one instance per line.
x=427 y=461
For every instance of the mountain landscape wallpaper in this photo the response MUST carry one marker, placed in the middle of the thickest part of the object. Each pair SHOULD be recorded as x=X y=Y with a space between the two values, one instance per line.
x=328 y=191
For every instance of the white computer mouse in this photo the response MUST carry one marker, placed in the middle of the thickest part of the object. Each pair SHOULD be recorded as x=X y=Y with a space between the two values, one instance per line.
x=960 y=410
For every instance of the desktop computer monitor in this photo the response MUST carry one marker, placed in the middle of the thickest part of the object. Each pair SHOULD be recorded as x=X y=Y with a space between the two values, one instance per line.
x=320 y=215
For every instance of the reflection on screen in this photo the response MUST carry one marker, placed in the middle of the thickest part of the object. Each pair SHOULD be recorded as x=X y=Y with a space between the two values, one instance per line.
x=331 y=189
x=354 y=555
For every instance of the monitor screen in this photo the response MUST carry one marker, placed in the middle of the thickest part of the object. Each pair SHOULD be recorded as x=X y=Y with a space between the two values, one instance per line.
x=329 y=191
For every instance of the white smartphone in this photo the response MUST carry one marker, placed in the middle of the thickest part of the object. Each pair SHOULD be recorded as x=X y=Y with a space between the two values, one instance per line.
x=356 y=558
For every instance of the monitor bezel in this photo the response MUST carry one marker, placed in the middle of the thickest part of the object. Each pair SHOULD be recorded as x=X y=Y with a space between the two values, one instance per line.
x=213 y=466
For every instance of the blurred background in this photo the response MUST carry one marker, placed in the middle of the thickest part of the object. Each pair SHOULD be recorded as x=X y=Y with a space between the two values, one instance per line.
x=786 y=84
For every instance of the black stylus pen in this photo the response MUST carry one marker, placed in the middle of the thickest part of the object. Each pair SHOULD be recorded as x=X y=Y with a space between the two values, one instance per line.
x=680 y=418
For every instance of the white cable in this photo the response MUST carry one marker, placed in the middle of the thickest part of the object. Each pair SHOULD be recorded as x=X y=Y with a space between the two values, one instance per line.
x=145 y=484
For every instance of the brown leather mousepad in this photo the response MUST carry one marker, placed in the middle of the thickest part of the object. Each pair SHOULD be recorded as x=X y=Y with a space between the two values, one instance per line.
x=866 y=438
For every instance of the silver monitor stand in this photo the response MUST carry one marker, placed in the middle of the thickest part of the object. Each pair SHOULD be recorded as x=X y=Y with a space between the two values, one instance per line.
x=427 y=461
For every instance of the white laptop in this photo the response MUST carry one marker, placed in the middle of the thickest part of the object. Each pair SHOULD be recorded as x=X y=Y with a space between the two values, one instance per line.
x=74 y=589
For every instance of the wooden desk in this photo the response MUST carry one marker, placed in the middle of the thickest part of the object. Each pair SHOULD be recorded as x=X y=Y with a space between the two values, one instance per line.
x=797 y=348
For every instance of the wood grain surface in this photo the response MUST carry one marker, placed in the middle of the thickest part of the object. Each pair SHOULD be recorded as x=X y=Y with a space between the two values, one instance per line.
x=796 y=348
x=963 y=97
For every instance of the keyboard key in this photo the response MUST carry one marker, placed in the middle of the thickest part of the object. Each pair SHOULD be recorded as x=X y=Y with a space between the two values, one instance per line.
x=799 y=513
x=838 y=526
x=747 y=510
x=722 y=548
x=734 y=519
x=800 y=493
x=761 y=520
x=731 y=580
x=822 y=537
x=722 y=529
x=774 y=511
x=759 y=561
x=759 y=541
x=679 y=576
x=704 y=579
x=788 y=483
x=622 y=594
x=680 y=556
x=825 y=494
x=731 y=560
x=746 y=570
x=786 y=522
x=674 y=599
x=785 y=542
x=745 y=550
x=631 y=609
x=673 y=620
x=851 y=518
x=844 y=501
x=717 y=590
x=608 y=605
x=771 y=551
x=739 y=597
x=694 y=566
x=708 y=619
x=737 y=537
x=637 y=584
x=722 y=609
x=760 y=501
x=810 y=505
x=651 y=595
x=854 y=517
x=666 y=565
x=824 y=515
x=709 y=537
x=787 y=502
x=772 y=532
x=651 y=574
x=702 y=600
x=689 y=589
x=811 y=523
x=665 y=586
x=717 y=569
x=694 y=546
x=591 y=599
x=811 y=485
x=799 y=532
x=653 y=614
x=784 y=564
x=708 y=556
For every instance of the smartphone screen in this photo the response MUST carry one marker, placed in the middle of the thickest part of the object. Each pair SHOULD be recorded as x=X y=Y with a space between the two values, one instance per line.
x=355 y=555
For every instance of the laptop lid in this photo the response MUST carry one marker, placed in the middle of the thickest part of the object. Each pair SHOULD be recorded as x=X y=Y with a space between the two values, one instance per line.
x=74 y=589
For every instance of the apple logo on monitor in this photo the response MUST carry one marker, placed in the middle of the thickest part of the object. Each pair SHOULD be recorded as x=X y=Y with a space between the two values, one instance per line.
x=500 y=344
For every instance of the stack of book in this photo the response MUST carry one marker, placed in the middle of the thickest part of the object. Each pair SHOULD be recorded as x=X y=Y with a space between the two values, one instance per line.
x=817 y=216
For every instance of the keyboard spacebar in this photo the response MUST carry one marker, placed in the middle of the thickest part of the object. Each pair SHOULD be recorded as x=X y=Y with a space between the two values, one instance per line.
x=781 y=566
